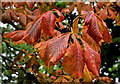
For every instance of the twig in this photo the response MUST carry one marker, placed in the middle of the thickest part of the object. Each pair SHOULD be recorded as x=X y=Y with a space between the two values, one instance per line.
x=12 y=47
x=9 y=66
x=32 y=75
x=5 y=67
x=16 y=27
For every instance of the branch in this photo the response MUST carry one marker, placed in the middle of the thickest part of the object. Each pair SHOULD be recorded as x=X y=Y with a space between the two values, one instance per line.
x=15 y=26
x=32 y=75
x=9 y=66
x=11 y=46
x=11 y=50
x=5 y=66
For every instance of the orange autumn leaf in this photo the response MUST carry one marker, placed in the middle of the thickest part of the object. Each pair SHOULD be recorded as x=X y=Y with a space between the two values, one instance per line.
x=97 y=28
x=111 y=14
x=30 y=4
x=61 y=17
x=103 y=14
x=6 y=17
x=84 y=7
x=106 y=79
x=75 y=26
x=48 y=23
x=87 y=75
x=61 y=80
x=93 y=25
x=14 y=16
x=23 y=19
x=92 y=58
x=97 y=9
x=104 y=30
x=56 y=50
x=45 y=22
x=117 y=19
x=37 y=12
x=100 y=4
x=68 y=9
x=73 y=61
x=89 y=39
x=32 y=17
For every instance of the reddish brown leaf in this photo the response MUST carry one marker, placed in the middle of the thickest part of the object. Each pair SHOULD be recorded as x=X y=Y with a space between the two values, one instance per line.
x=56 y=32
x=61 y=17
x=87 y=75
x=75 y=26
x=104 y=30
x=97 y=9
x=15 y=3
x=91 y=42
x=92 y=58
x=61 y=79
x=29 y=25
x=18 y=36
x=84 y=7
x=79 y=6
x=21 y=3
x=8 y=35
x=42 y=46
x=37 y=12
x=106 y=35
x=23 y=20
x=73 y=61
x=56 y=50
x=45 y=22
x=117 y=19
x=57 y=72
x=65 y=10
x=111 y=14
x=30 y=36
x=53 y=77
x=13 y=15
x=6 y=18
x=103 y=14
x=106 y=79
x=68 y=9
x=93 y=29
x=101 y=27
x=32 y=17
x=28 y=11
x=100 y=4
x=107 y=4
x=61 y=25
x=30 y=4
x=15 y=36
x=5 y=4
x=48 y=23
x=34 y=33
